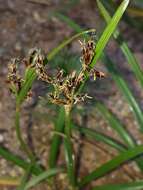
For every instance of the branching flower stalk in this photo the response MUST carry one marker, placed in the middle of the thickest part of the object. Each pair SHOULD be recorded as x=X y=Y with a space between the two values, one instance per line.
x=15 y=83
x=65 y=92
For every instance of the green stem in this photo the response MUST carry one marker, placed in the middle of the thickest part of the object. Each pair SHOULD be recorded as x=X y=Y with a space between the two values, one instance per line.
x=56 y=140
x=68 y=148
x=23 y=145
x=67 y=121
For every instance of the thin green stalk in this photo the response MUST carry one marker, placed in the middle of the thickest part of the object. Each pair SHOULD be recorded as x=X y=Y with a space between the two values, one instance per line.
x=56 y=140
x=43 y=176
x=68 y=148
x=23 y=145
x=66 y=42
x=25 y=148
x=9 y=156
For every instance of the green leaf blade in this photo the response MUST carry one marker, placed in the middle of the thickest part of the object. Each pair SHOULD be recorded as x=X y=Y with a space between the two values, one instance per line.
x=95 y=135
x=43 y=176
x=56 y=140
x=66 y=42
x=116 y=125
x=36 y=169
x=112 y=164
x=125 y=90
x=137 y=185
x=109 y=31
x=123 y=45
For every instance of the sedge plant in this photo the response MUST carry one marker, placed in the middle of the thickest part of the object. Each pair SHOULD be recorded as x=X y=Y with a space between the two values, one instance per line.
x=66 y=90
x=65 y=93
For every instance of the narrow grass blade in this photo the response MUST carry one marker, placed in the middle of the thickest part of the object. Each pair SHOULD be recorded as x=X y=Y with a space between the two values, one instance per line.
x=125 y=90
x=92 y=134
x=43 y=176
x=137 y=185
x=56 y=140
x=109 y=31
x=111 y=165
x=69 y=161
x=70 y=22
x=22 y=143
x=5 y=153
x=132 y=22
x=123 y=45
x=116 y=125
x=119 y=128
x=95 y=135
x=66 y=42
x=69 y=155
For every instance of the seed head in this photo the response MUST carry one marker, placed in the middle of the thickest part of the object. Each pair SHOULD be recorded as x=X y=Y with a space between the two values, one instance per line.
x=87 y=50
x=13 y=78
x=65 y=86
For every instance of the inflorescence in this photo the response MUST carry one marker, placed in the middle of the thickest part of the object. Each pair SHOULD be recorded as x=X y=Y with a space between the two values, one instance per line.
x=65 y=87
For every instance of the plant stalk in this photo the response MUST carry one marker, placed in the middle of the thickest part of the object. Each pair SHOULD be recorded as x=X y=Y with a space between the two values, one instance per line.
x=68 y=148
x=23 y=145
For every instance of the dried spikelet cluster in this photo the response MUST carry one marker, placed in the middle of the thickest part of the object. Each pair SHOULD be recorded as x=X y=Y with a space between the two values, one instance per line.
x=65 y=87
x=14 y=78
x=87 y=50
x=87 y=54
x=36 y=61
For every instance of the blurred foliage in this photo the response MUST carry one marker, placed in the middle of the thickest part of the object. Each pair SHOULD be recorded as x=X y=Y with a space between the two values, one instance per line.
x=66 y=60
x=134 y=10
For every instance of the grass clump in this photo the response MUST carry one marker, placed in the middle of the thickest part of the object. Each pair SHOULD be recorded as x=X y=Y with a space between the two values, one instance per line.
x=66 y=90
